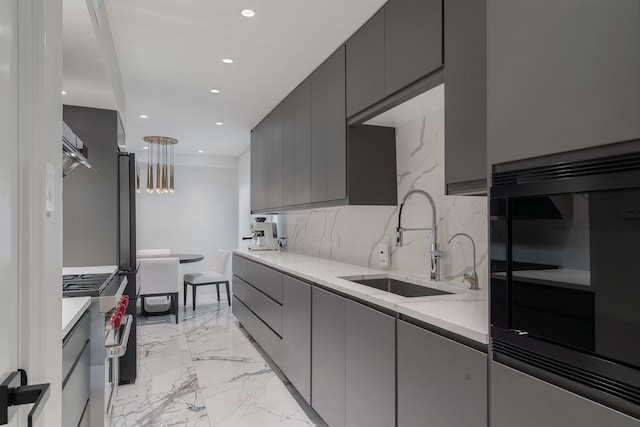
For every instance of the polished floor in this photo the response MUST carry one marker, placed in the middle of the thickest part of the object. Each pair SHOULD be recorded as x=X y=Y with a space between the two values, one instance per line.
x=206 y=371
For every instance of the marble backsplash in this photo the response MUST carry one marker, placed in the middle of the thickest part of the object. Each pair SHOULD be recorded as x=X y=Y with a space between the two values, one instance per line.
x=351 y=233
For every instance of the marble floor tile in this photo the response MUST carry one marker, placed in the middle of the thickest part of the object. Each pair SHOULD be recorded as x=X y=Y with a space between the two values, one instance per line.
x=205 y=371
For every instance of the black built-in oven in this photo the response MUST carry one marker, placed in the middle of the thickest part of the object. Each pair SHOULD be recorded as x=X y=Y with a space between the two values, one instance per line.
x=565 y=275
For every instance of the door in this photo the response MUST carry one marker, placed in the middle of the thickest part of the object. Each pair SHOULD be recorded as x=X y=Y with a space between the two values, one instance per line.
x=31 y=237
x=9 y=193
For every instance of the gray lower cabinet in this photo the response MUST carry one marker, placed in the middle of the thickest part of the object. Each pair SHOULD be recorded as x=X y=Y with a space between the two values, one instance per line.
x=413 y=41
x=329 y=130
x=265 y=279
x=328 y=350
x=518 y=399
x=259 y=330
x=76 y=358
x=465 y=96
x=440 y=382
x=296 y=334
x=370 y=367
x=561 y=76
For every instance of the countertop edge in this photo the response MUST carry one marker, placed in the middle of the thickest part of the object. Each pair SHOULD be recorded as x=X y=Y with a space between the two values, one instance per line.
x=400 y=308
x=72 y=311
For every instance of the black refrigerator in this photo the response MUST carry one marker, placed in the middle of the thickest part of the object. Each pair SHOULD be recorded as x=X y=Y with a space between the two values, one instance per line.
x=127 y=257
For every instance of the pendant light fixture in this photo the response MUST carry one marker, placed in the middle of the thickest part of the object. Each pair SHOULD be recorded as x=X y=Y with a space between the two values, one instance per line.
x=160 y=154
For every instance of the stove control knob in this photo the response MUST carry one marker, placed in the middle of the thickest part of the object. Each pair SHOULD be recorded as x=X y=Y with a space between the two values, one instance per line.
x=116 y=320
x=125 y=300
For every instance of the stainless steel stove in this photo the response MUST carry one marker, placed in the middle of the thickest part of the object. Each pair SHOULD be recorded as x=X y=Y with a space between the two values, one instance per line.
x=110 y=330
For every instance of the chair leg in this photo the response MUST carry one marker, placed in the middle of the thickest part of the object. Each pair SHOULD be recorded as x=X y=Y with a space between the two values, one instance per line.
x=193 y=292
x=174 y=303
x=143 y=311
x=218 y=290
x=228 y=294
x=185 y=292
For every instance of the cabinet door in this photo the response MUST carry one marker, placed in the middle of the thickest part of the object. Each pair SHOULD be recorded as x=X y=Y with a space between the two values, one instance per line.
x=465 y=95
x=328 y=130
x=370 y=367
x=328 y=356
x=520 y=400
x=413 y=41
x=365 y=65
x=296 y=334
x=273 y=136
x=440 y=380
x=258 y=168
x=561 y=75
x=296 y=146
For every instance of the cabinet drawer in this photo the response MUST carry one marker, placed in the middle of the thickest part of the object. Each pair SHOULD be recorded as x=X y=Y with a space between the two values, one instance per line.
x=75 y=392
x=269 y=311
x=265 y=279
x=268 y=340
x=73 y=344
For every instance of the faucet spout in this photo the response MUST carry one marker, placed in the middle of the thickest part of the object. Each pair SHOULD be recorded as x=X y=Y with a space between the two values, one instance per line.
x=434 y=253
x=471 y=278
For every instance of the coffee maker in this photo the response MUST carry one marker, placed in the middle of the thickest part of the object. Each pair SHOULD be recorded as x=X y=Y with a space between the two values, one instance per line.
x=265 y=235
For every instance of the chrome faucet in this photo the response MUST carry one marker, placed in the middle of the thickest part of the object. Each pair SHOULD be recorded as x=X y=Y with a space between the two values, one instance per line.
x=473 y=277
x=434 y=253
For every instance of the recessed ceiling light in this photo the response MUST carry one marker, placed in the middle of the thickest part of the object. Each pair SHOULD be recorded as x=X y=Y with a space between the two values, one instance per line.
x=64 y=92
x=146 y=148
x=143 y=116
x=200 y=151
x=214 y=90
x=219 y=123
x=248 y=13
x=227 y=61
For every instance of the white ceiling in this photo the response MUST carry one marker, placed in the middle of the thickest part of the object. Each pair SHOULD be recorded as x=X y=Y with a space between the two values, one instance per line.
x=170 y=54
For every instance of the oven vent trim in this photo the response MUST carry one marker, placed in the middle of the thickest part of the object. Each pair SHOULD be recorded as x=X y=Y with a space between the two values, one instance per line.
x=613 y=387
x=567 y=170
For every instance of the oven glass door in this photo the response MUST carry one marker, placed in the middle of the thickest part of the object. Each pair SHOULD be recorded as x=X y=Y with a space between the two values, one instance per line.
x=573 y=261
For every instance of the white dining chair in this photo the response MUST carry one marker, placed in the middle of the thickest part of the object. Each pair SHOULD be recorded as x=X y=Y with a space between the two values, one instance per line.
x=221 y=274
x=159 y=277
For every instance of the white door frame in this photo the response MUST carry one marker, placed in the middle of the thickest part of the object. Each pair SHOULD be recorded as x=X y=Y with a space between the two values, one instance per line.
x=36 y=141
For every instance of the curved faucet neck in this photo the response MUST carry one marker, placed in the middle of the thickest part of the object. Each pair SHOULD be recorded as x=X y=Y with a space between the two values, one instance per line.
x=431 y=202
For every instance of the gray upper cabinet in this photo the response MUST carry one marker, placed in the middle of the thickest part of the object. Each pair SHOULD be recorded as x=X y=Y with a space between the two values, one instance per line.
x=440 y=380
x=518 y=399
x=561 y=76
x=365 y=65
x=273 y=138
x=328 y=350
x=413 y=41
x=296 y=334
x=258 y=168
x=329 y=130
x=465 y=95
x=370 y=367
x=296 y=146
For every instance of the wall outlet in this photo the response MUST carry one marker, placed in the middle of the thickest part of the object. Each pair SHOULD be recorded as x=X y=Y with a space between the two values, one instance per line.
x=383 y=255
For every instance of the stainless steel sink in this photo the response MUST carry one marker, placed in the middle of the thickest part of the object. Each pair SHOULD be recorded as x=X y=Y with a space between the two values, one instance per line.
x=398 y=287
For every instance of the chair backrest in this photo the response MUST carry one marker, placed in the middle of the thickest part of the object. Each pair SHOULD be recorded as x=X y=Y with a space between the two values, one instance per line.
x=146 y=253
x=222 y=263
x=159 y=275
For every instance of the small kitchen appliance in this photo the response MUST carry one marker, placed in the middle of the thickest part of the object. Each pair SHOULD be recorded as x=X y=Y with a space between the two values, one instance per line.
x=265 y=235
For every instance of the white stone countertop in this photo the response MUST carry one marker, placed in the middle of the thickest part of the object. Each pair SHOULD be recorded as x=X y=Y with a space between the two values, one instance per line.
x=463 y=312
x=72 y=310
x=100 y=269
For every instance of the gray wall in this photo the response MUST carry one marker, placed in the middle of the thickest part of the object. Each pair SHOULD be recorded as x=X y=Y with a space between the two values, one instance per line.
x=90 y=199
